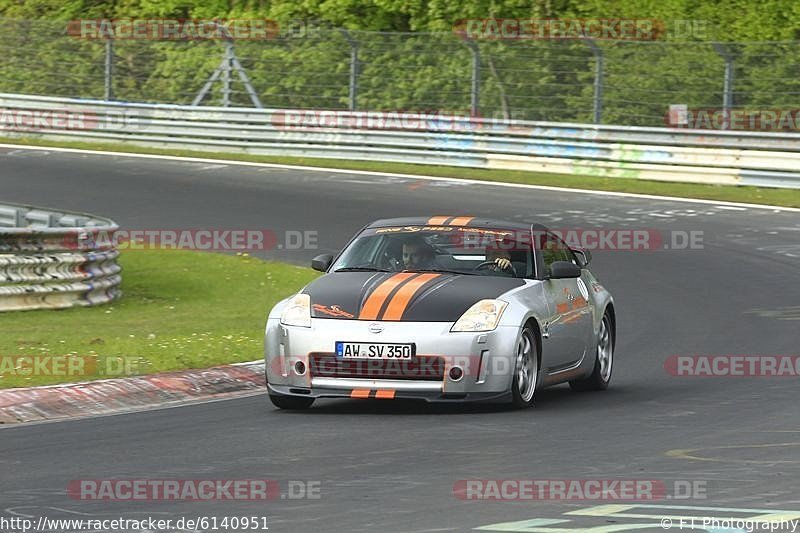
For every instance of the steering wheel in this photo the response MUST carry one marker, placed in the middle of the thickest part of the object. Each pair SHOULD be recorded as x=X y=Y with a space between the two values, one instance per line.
x=389 y=262
x=486 y=264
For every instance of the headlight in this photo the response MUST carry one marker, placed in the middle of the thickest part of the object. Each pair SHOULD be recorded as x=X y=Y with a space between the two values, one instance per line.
x=483 y=316
x=297 y=312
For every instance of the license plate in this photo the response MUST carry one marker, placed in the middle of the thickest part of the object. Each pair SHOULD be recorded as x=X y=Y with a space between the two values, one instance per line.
x=371 y=350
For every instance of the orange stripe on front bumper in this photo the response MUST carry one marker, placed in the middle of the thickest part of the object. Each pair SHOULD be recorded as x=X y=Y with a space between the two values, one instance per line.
x=385 y=394
x=460 y=221
x=375 y=300
x=360 y=393
x=399 y=302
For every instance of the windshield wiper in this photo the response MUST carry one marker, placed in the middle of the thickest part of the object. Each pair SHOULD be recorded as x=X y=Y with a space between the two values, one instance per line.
x=361 y=269
x=442 y=270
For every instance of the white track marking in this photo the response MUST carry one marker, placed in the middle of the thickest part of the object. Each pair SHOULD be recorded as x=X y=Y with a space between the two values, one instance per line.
x=716 y=203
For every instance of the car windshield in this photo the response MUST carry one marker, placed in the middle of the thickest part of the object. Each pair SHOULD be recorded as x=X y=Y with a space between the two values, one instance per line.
x=461 y=250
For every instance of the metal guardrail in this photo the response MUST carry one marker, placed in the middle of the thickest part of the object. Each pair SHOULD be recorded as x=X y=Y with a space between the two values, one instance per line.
x=310 y=63
x=54 y=260
x=670 y=154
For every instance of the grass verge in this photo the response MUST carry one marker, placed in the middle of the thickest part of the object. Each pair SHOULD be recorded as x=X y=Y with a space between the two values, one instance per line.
x=179 y=309
x=728 y=193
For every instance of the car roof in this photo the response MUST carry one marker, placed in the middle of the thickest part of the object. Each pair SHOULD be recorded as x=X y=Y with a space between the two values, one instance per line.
x=452 y=220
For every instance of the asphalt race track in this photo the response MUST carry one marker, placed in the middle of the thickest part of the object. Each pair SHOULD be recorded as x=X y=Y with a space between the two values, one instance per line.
x=392 y=466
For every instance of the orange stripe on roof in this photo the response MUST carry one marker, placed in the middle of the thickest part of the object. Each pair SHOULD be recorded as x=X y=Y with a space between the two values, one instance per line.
x=399 y=302
x=360 y=393
x=384 y=394
x=375 y=300
x=437 y=220
x=460 y=221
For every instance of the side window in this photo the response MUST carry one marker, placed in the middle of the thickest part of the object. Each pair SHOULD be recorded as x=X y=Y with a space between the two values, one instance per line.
x=554 y=249
x=361 y=252
x=522 y=259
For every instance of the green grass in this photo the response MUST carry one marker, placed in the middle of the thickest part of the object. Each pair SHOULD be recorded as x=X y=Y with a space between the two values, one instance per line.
x=179 y=309
x=729 y=193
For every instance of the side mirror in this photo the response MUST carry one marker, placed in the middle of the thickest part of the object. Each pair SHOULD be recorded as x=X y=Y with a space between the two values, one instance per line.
x=564 y=269
x=583 y=256
x=322 y=262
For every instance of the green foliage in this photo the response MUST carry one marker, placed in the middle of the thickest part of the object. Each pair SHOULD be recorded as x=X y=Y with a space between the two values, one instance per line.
x=735 y=20
x=409 y=57
x=180 y=309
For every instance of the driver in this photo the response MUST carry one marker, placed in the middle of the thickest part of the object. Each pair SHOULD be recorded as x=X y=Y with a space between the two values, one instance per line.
x=498 y=254
x=418 y=254
x=501 y=258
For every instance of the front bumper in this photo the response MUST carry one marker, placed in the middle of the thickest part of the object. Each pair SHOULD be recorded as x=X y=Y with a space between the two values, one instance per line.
x=432 y=396
x=486 y=360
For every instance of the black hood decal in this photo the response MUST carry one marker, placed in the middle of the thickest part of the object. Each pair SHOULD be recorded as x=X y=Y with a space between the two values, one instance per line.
x=411 y=296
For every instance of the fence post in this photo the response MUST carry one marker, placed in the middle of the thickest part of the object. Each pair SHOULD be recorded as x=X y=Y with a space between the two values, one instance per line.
x=727 y=87
x=229 y=63
x=597 y=106
x=226 y=74
x=108 y=92
x=354 y=68
x=474 y=92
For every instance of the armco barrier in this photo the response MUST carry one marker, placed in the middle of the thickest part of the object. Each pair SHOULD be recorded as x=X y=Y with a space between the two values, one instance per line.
x=768 y=159
x=54 y=260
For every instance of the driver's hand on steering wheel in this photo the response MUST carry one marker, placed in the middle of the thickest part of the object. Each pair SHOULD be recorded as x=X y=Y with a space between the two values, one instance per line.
x=502 y=263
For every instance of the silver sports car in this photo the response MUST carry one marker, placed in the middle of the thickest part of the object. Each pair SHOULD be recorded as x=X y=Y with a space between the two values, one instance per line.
x=443 y=309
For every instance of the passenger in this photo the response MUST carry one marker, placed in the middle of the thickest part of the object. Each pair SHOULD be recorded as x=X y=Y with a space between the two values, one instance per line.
x=418 y=255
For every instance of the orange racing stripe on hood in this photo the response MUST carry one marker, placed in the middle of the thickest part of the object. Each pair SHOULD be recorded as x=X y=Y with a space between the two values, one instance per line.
x=375 y=300
x=399 y=302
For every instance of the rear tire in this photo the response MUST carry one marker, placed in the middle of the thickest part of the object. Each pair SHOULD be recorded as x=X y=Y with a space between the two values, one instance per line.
x=526 y=370
x=604 y=360
x=290 y=402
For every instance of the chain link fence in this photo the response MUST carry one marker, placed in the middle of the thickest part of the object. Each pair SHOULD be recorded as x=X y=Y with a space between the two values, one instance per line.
x=577 y=80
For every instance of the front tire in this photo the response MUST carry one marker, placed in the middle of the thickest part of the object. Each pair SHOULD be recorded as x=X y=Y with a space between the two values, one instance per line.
x=282 y=401
x=290 y=402
x=526 y=370
x=603 y=365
